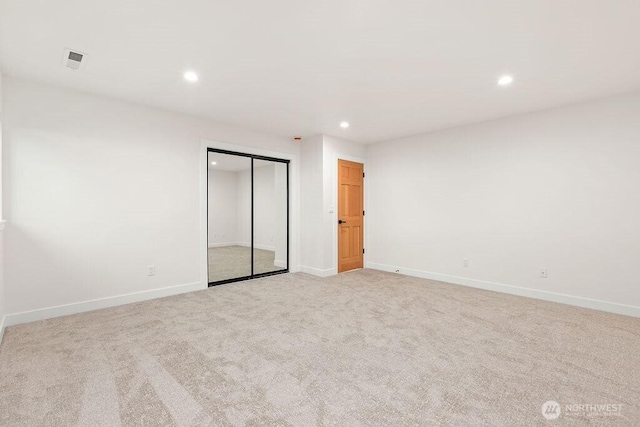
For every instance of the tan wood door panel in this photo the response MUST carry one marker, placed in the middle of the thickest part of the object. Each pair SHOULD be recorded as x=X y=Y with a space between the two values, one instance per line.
x=350 y=215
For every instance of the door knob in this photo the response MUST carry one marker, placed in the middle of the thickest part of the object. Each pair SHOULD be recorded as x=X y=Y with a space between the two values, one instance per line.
x=341 y=221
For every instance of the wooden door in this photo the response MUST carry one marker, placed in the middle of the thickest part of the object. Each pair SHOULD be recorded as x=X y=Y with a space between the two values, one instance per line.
x=350 y=215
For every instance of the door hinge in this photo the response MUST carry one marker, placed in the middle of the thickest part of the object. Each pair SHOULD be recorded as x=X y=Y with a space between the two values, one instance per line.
x=362 y=213
x=363 y=174
x=362 y=250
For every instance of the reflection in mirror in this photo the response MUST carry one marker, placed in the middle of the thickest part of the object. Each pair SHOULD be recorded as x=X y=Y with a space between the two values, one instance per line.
x=229 y=216
x=269 y=216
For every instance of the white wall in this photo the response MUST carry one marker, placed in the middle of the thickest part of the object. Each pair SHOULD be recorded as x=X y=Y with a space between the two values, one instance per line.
x=2 y=292
x=244 y=208
x=557 y=189
x=311 y=208
x=264 y=207
x=222 y=207
x=280 y=200
x=2 y=225
x=97 y=189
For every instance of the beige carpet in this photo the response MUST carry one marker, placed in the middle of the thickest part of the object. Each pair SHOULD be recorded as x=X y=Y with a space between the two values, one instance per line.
x=230 y=262
x=362 y=348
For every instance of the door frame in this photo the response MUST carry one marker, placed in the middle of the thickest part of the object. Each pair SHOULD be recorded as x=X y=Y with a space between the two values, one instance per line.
x=334 y=208
x=294 y=200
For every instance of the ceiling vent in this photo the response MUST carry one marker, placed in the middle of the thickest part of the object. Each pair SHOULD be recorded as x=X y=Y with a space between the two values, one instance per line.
x=74 y=59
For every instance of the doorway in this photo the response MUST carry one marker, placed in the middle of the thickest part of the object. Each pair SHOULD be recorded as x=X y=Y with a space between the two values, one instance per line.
x=247 y=216
x=350 y=215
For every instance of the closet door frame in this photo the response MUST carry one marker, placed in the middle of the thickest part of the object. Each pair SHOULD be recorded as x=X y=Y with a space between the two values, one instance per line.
x=253 y=275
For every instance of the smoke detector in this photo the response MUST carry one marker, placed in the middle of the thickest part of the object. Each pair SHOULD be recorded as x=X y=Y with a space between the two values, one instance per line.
x=74 y=59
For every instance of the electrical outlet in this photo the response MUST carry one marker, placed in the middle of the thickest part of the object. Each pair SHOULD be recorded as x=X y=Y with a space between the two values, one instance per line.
x=151 y=270
x=543 y=273
x=465 y=262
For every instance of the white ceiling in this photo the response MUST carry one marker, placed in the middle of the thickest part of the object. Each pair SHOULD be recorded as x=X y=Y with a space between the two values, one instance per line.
x=296 y=67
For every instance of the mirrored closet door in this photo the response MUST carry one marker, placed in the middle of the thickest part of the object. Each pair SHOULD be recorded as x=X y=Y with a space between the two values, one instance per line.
x=248 y=216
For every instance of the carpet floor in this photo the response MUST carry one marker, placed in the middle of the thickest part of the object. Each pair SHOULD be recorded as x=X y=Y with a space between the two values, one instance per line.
x=361 y=348
x=230 y=262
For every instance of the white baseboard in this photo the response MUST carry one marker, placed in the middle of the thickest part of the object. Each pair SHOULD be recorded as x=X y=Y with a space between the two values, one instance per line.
x=222 y=245
x=610 y=307
x=2 y=324
x=281 y=264
x=318 y=272
x=84 y=306
x=243 y=244
x=263 y=247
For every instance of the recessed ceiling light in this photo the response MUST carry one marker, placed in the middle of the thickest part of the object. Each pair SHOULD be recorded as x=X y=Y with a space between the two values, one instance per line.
x=505 y=80
x=191 y=76
x=344 y=125
x=214 y=163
